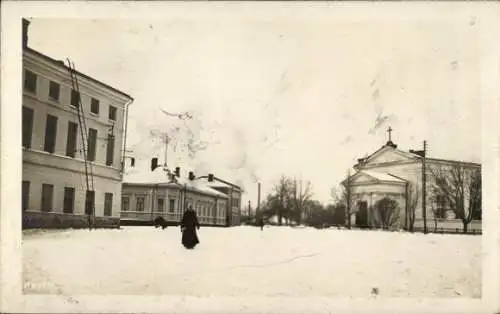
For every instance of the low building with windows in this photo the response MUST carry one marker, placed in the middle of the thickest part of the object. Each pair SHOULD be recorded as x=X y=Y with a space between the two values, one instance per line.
x=62 y=186
x=158 y=192
x=408 y=178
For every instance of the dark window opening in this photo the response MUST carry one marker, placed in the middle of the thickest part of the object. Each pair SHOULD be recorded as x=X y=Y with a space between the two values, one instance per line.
x=140 y=204
x=47 y=197
x=50 y=134
x=112 y=113
x=125 y=203
x=30 y=79
x=94 y=106
x=69 y=200
x=27 y=126
x=110 y=150
x=108 y=204
x=89 y=202
x=71 y=140
x=160 y=204
x=92 y=144
x=54 y=90
x=75 y=98
x=26 y=194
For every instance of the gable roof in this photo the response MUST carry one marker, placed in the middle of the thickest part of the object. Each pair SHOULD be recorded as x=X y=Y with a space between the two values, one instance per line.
x=411 y=155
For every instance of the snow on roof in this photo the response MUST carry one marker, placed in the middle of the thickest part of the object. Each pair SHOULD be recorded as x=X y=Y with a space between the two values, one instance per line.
x=382 y=176
x=160 y=176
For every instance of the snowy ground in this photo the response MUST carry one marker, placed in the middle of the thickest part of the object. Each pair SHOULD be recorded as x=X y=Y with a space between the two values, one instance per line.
x=280 y=261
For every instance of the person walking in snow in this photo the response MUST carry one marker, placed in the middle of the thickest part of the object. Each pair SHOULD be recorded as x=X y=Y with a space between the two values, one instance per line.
x=261 y=221
x=189 y=224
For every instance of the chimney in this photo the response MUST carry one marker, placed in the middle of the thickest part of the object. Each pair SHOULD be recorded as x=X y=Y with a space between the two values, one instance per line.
x=191 y=175
x=178 y=172
x=154 y=163
x=26 y=25
x=210 y=177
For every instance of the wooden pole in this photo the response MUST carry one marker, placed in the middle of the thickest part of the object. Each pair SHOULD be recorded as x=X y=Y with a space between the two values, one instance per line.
x=424 y=194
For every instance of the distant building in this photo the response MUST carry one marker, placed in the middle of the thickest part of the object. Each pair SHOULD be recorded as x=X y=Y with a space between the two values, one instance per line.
x=398 y=175
x=155 y=192
x=54 y=189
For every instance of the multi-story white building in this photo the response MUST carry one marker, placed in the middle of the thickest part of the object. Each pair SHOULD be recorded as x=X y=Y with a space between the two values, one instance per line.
x=54 y=186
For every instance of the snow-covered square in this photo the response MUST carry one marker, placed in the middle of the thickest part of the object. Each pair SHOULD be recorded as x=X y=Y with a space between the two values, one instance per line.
x=245 y=261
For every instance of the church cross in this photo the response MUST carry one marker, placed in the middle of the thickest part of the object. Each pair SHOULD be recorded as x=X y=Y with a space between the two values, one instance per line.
x=389 y=130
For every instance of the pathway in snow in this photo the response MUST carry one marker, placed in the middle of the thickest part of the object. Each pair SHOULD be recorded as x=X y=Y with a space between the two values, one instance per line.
x=245 y=261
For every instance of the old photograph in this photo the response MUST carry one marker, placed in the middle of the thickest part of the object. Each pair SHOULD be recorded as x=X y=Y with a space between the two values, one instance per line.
x=232 y=155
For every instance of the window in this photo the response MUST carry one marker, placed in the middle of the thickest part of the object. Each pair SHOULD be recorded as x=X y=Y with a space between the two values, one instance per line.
x=160 y=203
x=89 y=202
x=71 y=141
x=26 y=194
x=47 y=197
x=171 y=205
x=30 y=81
x=140 y=204
x=110 y=150
x=50 y=134
x=75 y=98
x=108 y=204
x=27 y=126
x=92 y=144
x=54 y=91
x=125 y=203
x=94 y=106
x=112 y=113
x=69 y=200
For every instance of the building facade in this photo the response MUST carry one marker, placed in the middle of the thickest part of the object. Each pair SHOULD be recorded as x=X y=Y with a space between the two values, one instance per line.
x=54 y=184
x=147 y=195
x=391 y=173
x=234 y=194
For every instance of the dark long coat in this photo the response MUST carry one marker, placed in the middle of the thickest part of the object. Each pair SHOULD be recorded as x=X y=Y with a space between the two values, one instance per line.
x=189 y=224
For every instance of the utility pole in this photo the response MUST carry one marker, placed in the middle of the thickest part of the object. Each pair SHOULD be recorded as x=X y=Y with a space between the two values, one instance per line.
x=166 y=148
x=258 y=199
x=424 y=179
x=349 y=199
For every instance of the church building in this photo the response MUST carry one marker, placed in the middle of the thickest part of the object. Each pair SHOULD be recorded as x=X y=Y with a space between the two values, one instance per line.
x=405 y=179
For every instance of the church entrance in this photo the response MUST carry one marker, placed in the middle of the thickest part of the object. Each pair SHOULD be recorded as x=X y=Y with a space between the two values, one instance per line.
x=362 y=215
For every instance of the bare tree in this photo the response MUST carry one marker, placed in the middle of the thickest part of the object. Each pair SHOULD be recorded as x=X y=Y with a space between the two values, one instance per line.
x=413 y=195
x=387 y=213
x=460 y=187
x=283 y=190
x=346 y=196
x=301 y=195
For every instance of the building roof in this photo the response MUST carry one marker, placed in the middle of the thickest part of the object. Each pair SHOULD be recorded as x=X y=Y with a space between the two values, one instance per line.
x=160 y=176
x=418 y=155
x=62 y=65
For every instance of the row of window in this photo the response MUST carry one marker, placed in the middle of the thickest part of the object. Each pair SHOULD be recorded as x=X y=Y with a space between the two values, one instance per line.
x=51 y=127
x=30 y=83
x=47 y=201
x=201 y=208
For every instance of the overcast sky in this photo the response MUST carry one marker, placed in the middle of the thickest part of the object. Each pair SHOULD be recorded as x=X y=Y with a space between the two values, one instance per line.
x=303 y=97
